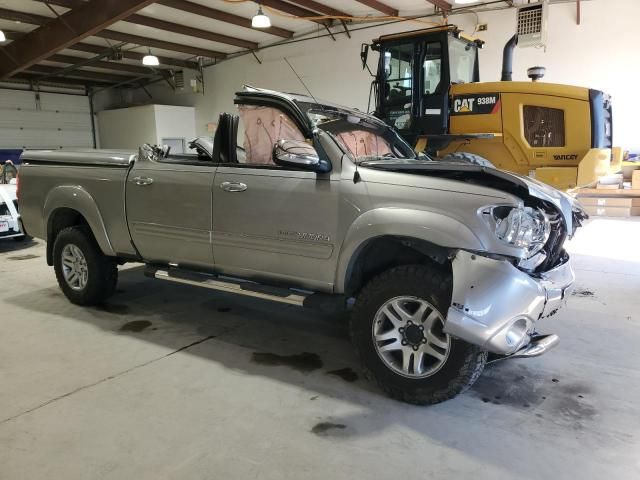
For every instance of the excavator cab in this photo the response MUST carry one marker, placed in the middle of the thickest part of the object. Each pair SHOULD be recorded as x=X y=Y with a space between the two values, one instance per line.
x=414 y=74
x=427 y=87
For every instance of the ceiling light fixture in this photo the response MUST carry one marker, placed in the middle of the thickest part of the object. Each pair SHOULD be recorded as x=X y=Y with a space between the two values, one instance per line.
x=2 y=36
x=260 y=20
x=150 y=60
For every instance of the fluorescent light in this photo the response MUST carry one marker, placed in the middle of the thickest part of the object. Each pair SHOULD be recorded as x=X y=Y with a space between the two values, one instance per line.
x=150 y=60
x=2 y=36
x=465 y=2
x=260 y=20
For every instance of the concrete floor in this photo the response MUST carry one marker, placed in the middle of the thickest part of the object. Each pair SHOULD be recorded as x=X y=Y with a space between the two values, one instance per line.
x=172 y=381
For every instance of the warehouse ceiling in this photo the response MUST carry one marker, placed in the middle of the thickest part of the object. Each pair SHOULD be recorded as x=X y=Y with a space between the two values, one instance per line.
x=98 y=43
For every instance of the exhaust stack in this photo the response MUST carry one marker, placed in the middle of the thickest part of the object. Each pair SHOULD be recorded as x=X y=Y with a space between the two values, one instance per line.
x=507 y=59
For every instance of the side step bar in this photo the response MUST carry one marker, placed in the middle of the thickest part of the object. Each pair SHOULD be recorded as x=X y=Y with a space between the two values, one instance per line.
x=229 y=284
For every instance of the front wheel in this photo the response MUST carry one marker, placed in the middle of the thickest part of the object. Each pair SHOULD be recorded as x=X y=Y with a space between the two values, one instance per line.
x=397 y=327
x=86 y=276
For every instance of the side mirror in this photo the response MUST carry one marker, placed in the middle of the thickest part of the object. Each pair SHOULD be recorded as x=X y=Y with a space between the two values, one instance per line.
x=297 y=154
x=364 y=54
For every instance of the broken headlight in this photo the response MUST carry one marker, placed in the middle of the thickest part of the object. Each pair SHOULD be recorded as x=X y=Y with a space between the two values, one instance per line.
x=522 y=227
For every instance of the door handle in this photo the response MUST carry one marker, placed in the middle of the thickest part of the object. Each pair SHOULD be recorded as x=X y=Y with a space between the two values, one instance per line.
x=142 y=181
x=233 y=186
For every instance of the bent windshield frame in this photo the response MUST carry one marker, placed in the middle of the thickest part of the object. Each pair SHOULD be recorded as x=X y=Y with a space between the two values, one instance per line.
x=361 y=136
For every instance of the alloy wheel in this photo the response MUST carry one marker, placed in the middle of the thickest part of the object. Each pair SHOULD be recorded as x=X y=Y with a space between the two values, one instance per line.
x=74 y=267
x=409 y=338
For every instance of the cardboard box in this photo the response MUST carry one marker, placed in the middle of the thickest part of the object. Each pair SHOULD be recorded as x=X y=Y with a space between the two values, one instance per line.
x=610 y=201
x=635 y=180
x=612 y=211
x=613 y=186
x=593 y=192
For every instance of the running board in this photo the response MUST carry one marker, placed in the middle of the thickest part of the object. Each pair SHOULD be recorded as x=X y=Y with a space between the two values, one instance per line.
x=222 y=283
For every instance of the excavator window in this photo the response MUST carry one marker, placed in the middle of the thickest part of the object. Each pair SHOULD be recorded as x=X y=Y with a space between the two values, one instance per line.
x=462 y=61
x=398 y=72
x=432 y=67
x=414 y=76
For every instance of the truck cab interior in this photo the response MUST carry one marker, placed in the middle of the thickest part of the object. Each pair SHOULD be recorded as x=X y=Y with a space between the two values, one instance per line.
x=244 y=139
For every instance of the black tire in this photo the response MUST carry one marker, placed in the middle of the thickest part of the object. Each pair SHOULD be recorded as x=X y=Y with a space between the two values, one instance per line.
x=469 y=158
x=102 y=271
x=461 y=368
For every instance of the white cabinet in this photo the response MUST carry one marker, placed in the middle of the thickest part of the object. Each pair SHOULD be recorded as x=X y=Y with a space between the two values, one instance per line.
x=131 y=127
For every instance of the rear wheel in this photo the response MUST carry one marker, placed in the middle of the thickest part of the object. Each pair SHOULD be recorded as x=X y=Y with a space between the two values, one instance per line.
x=397 y=327
x=85 y=275
x=469 y=158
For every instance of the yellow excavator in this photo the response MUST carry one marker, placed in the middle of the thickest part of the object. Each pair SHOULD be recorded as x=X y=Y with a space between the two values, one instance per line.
x=427 y=86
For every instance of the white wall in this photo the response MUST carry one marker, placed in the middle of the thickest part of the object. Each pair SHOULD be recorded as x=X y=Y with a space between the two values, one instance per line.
x=174 y=122
x=128 y=128
x=600 y=53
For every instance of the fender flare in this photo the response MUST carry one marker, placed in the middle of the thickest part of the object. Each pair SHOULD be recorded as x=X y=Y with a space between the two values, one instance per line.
x=77 y=198
x=432 y=227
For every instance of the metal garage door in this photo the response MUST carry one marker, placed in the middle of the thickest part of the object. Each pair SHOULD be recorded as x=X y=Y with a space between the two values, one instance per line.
x=44 y=120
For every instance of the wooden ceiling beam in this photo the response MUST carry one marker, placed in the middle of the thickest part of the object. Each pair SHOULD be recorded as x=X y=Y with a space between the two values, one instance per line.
x=112 y=35
x=380 y=7
x=91 y=48
x=51 y=72
x=165 y=62
x=294 y=10
x=153 y=43
x=67 y=29
x=214 y=14
x=71 y=82
x=441 y=4
x=320 y=7
x=180 y=28
x=122 y=67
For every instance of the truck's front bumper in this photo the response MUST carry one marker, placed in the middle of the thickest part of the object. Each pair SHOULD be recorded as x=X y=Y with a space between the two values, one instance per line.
x=495 y=305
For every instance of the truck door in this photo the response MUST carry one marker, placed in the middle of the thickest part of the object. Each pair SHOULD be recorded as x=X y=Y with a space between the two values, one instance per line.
x=269 y=220
x=168 y=204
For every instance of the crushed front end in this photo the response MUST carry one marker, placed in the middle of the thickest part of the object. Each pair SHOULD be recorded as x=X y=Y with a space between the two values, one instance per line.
x=497 y=300
x=496 y=305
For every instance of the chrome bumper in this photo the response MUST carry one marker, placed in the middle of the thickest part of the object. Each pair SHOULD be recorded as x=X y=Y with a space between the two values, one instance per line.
x=538 y=346
x=495 y=305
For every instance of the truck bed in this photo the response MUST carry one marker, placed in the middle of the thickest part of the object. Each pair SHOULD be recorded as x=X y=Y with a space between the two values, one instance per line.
x=109 y=158
x=90 y=179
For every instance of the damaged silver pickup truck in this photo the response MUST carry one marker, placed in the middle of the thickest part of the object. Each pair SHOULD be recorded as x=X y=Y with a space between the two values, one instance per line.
x=293 y=198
